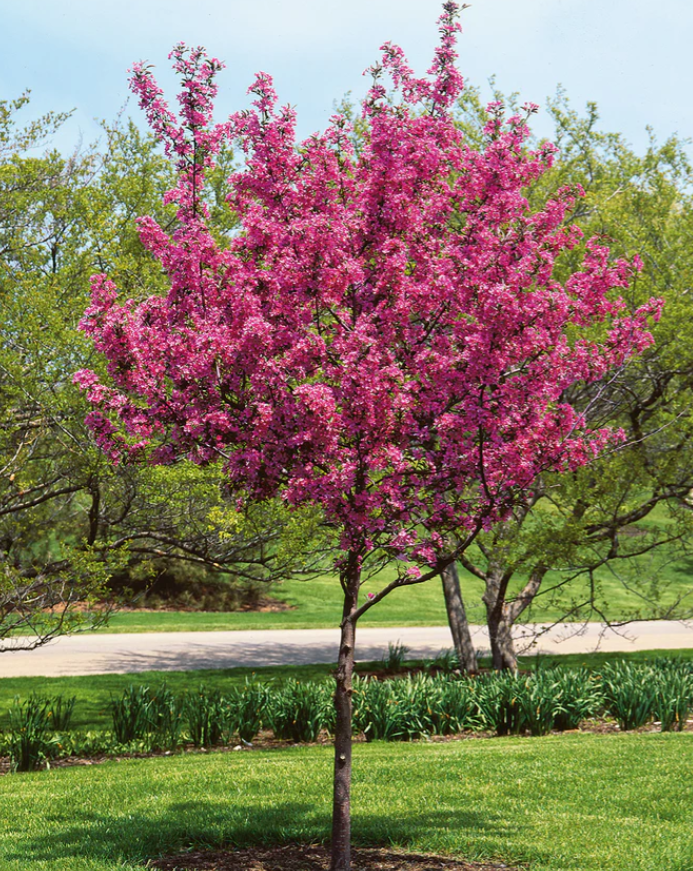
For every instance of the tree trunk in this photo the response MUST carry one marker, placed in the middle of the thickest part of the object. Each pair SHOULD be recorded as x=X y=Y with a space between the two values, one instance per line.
x=499 y=618
x=341 y=806
x=500 y=632
x=457 y=618
x=502 y=615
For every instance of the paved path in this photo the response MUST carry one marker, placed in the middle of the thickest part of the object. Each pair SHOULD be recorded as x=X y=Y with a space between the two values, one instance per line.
x=170 y=651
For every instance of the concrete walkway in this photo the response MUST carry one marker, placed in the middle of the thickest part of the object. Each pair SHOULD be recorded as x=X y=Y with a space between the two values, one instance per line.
x=177 y=651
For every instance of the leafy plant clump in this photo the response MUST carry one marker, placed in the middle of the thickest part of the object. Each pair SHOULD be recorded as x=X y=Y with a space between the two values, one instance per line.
x=32 y=741
x=396 y=655
x=249 y=707
x=131 y=714
x=400 y=708
x=299 y=712
x=630 y=693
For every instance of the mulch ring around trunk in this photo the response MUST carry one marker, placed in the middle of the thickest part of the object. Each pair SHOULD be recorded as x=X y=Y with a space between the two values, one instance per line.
x=299 y=857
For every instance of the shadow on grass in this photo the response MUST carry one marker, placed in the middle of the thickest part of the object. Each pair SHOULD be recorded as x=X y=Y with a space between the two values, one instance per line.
x=137 y=837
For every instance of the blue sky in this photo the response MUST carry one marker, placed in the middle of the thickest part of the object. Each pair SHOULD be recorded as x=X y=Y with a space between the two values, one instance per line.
x=630 y=56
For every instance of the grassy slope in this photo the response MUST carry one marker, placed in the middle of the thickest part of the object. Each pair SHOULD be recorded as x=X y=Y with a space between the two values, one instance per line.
x=317 y=604
x=576 y=802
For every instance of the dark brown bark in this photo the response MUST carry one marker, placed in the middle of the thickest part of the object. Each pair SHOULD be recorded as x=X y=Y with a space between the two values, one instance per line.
x=341 y=806
x=501 y=614
x=502 y=645
x=457 y=618
x=94 y=508
x=499 y=627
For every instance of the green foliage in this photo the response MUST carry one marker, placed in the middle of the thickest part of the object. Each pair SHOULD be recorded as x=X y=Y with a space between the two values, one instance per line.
x=630 y=693
x=539 y=704
x=447 y=660
x=248 y=704
x=91 y=744
x=131 y=714
x=153 y=716
x=160 y=716
x=208 y=716
x=301 y=711
x=396 y=654
x=52 y=233
x=577 y=696
x=500 y=700
x=673 y=694
x=165 y=719
x=59 y=712
x=379 y=714
x=31 y=741
x=405 y=709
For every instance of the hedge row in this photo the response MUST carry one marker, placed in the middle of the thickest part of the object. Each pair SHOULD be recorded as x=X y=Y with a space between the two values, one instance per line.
x=398 y=709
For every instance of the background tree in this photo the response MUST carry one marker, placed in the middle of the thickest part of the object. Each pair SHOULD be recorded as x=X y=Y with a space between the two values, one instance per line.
x=630 y=510
x=69 y=522
x=38 y=203
x=384 y=338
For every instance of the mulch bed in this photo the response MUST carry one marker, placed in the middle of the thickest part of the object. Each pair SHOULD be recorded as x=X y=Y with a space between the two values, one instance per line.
x=299 y=857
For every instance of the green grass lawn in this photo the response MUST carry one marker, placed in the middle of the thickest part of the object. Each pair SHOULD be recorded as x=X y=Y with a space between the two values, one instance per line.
x=576 y=802
x=317 y=603
x=314 y=604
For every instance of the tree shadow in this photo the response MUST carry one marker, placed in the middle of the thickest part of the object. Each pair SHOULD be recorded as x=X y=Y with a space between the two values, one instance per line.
x=137 y=837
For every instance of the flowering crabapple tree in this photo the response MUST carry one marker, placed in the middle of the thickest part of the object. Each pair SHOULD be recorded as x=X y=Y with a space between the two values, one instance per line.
x=383 y=337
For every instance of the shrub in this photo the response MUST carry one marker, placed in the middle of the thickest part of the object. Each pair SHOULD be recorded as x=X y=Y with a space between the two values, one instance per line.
x=151 y=716
x=165 y=719
x=500 y=704
x=397 y=710
x=376 y=711
x=537 y=695
x=90 y=744
x=59 y=711
x=248 y=710
x=578 y=695
x=447 y=660
x=459 y=708
x=396 y=654
x=131 y=714
x=673 y=695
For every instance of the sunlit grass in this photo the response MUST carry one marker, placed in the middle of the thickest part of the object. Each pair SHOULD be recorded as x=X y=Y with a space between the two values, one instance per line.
x=317 y=604
x=567 y=803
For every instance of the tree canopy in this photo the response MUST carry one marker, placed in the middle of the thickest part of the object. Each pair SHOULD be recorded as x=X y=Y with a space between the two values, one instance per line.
x=69 y=521
x=385 y=337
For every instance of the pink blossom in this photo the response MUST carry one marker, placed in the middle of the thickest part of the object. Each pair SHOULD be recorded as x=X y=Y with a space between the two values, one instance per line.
x=385 y=336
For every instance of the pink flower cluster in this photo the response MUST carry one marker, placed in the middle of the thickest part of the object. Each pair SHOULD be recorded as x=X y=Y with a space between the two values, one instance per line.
x=385 y=335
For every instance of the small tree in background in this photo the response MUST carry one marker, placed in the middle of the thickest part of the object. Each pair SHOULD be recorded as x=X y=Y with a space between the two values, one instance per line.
x=74 y=529
x=383 y=337
x=629 y=513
